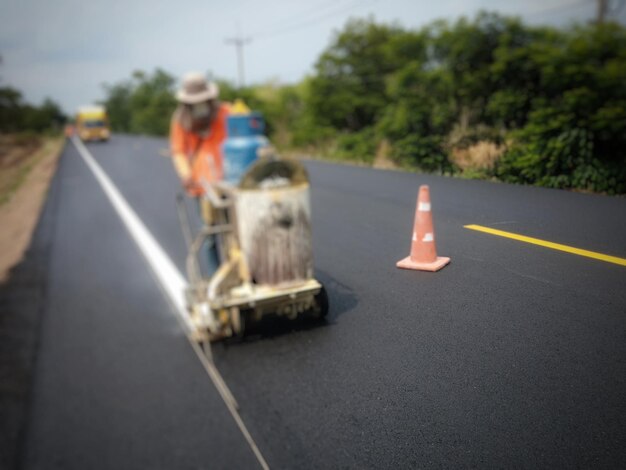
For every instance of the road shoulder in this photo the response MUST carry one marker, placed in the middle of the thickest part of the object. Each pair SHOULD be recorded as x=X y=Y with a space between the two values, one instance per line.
x=27 y=235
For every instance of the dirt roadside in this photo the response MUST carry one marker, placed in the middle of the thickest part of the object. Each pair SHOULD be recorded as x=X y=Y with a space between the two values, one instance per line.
x=27 y=168
x=26 y=171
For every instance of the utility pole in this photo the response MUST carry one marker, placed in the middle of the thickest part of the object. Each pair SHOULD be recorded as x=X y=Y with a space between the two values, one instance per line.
x=603 y=7
x=239 y=42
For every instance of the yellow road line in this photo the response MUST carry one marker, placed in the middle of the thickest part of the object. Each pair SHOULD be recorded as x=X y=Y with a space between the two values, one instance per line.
x=547 y=244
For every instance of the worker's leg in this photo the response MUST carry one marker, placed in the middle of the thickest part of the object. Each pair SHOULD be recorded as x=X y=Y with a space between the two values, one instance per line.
x=210 y=245
x=212 y=254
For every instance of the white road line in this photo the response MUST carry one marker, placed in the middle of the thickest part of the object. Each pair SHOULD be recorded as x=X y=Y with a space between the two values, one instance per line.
x=172 y=282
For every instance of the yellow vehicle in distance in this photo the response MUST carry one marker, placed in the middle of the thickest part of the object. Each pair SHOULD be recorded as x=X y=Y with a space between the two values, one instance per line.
x=92 y=123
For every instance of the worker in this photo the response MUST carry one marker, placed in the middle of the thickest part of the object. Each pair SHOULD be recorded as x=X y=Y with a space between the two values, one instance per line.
x=197 y=132
x=198 y=129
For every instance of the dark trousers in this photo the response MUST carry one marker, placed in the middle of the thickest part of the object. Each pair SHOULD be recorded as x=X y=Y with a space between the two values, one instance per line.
x=209 y=249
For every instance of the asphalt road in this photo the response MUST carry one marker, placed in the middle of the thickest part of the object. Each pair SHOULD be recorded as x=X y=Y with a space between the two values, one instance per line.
x=514 y=355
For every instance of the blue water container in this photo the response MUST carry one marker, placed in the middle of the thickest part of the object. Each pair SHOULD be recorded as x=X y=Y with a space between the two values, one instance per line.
x=245 y=137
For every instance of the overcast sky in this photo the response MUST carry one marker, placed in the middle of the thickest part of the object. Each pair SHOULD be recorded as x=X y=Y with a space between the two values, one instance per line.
x=66 y=49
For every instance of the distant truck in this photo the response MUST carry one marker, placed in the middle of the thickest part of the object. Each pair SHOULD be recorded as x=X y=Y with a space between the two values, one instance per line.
x=92 y=123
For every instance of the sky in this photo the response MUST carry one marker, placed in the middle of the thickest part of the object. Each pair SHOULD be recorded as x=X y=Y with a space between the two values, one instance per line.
x=67 y=49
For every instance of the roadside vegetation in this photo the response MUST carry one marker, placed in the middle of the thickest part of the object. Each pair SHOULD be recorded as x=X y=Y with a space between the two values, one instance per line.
x=30 y=143
x=27 y=133
x=19 y=117
x=488 y=97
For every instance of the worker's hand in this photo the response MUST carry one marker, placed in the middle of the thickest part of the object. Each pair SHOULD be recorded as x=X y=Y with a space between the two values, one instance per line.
x=190 y=185
x=181 y=164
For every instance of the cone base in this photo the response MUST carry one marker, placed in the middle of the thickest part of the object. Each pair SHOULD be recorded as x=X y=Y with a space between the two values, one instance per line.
x=408 y=263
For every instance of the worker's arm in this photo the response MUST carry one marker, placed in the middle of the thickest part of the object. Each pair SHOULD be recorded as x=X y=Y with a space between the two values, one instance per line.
x=219 y=135
x=179 y=156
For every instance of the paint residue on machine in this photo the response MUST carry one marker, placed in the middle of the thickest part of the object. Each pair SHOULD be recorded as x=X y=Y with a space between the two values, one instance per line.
x=273 y=210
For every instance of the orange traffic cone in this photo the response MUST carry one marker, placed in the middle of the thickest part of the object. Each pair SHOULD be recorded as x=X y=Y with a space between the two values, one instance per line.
x=423 y=251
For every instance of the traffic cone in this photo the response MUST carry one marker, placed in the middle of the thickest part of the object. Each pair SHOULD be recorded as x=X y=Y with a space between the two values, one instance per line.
x=423 y=251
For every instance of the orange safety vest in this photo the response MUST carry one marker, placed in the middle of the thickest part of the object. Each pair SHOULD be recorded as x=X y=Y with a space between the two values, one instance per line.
x=204 y=152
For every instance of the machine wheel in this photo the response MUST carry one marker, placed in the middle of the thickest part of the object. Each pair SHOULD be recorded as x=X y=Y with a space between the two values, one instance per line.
x=321 y=303
x=240 y=321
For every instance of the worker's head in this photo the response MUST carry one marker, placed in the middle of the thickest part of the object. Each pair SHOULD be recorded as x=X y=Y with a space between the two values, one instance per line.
x=199 y=100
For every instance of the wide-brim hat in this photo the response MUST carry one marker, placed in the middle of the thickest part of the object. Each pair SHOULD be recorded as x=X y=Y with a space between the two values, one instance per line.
x=196 y=89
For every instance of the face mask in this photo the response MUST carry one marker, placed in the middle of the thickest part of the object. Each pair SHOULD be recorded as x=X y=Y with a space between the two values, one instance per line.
x=200 y=110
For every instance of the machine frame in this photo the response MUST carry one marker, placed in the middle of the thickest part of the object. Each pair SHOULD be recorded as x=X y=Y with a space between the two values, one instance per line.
x=222 y=305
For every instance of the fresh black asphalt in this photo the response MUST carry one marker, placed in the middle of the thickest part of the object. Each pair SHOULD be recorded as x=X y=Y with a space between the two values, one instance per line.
x=117 y=385
x=514 y=355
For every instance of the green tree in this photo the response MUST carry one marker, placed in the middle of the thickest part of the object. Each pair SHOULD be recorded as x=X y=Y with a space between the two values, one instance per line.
x=118 y=106
x=48 y=116
x=348 y=91
x=576 y=131
x=142 y=105
x=15 y=115
x=152 y=102
x=10 y=109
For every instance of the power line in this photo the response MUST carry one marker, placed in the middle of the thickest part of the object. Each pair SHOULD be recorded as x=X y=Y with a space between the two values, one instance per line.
x=281 y=23
x=312 y=21
x=617 y=8
x=239 y=42
x=555 y=8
